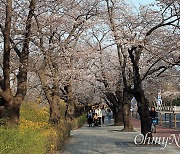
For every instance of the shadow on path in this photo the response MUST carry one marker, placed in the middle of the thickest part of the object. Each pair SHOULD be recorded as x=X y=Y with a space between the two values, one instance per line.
x=108 y=139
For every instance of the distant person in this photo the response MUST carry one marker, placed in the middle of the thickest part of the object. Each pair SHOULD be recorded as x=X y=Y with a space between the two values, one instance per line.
x=95 y=119
x=99 y=114
x=93 y=112
x=153 y=118
x=109 y=115
x=90 y=118
x=153 y=113
x=103 y=114
x=96 y=110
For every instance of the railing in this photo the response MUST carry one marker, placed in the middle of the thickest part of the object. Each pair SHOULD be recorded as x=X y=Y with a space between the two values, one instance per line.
x=171 y=117
x=168 y=117
x=165 y=108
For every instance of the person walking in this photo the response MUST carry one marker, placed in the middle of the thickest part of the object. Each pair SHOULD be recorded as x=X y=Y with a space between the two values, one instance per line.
x=99 y=114
x=93 y=113
x=153 y=118
x=95 y=119
x=109 y=115
x=90 y=118
x=153 y=113
x=103 y=114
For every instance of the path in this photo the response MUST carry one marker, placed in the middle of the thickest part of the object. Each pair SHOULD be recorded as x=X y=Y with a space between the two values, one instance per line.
x=160 y=131
x=109 y=140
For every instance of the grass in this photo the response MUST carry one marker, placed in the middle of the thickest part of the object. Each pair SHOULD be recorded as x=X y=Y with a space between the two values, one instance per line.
x=14 y=141
x=35 y=135
x=29 y=136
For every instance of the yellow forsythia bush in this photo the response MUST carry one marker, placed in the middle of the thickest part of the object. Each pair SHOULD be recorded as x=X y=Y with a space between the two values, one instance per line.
x=34 y=134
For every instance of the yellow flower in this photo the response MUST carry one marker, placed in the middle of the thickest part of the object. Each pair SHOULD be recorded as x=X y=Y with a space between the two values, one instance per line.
x=50 y=132
x=26 y=124
x=52 y=146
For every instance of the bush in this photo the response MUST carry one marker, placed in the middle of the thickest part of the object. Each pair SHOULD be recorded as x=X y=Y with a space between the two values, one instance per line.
x=28 y=136
x=79 y=121
x=34 y=134
x=15 y=142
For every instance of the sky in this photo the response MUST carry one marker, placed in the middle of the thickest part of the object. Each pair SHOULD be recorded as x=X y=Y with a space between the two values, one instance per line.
x=141 y=2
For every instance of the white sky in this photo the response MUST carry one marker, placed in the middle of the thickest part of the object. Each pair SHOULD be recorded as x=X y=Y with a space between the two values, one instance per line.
x=141 y=2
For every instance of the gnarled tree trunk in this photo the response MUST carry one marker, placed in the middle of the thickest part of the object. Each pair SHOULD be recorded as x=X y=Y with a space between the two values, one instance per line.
x=143 y=110
x=55 y=110
x=118 y=119
x=11 y=113
x=52 y=95
x=70 y=102
x=116 y=101
x=138 y=92
x=11 y=104
x=126 y=111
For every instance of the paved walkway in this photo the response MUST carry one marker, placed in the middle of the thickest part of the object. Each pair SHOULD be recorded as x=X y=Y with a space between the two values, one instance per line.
x=160 y=131
x=110 y=140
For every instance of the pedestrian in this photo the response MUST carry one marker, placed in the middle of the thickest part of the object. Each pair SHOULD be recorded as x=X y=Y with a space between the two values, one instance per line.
x=99 y=114
x=109 y=115
x=95 y=119
x=90 y=118
x=153 y=113
x=153 y=118
x=103 y=114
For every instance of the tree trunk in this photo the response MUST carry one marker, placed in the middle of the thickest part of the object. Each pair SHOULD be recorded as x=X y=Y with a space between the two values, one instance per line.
x=118 y=119
x=126 y=112
x=114 y=110
x=11 y=112
x=116 y=101
x=135 y=53
x=143 y=111
x=11 y=104
x=71 y=104
x=55 y=110
x=52 y=95
x=127 y=118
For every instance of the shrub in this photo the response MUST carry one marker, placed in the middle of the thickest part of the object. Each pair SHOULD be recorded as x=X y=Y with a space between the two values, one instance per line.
x=79 y=121
x=34 y=134
x=18 y=141
x=31 y=135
